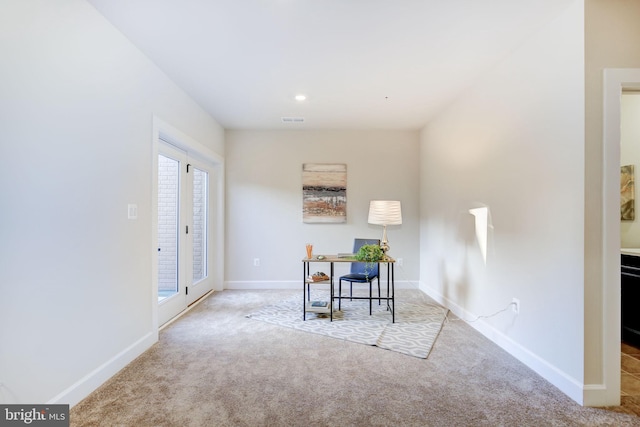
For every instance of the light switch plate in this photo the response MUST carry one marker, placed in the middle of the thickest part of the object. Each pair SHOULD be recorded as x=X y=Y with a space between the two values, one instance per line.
x=132 y=211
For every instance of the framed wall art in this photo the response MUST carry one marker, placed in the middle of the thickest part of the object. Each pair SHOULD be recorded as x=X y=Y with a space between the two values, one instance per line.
x=627 y=193
x=324 y=193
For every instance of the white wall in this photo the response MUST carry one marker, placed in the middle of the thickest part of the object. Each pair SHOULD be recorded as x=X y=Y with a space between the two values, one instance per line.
x=630 y=155
x=264 y=200
x=514 y=143
x=77 y=102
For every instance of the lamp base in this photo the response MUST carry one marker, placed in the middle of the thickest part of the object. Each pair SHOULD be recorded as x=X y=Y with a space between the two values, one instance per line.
x=385 y=243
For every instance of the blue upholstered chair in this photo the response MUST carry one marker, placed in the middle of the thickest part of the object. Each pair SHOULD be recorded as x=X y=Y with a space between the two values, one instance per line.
x=361 y=272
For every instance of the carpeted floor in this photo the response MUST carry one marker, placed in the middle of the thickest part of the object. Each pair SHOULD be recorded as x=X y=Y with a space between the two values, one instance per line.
x=215 y=367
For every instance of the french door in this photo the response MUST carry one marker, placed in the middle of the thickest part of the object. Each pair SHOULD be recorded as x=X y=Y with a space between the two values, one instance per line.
x=183 y=230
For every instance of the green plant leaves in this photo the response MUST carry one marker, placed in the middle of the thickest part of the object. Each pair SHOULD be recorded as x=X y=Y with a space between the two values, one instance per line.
x=369 y=253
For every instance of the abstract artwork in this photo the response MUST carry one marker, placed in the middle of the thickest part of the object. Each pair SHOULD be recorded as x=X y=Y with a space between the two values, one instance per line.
x=627 y=193
x=324 y=193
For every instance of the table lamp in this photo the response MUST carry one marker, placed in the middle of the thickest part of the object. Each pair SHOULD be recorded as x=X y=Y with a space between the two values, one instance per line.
x=385 y=212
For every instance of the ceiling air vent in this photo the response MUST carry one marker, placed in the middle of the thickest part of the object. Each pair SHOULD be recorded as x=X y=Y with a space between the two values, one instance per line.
x=292 y=119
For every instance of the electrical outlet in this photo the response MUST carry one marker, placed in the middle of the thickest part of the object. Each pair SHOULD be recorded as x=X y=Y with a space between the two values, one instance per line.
x=515 y=305
x=256 y=262
x=399 y=261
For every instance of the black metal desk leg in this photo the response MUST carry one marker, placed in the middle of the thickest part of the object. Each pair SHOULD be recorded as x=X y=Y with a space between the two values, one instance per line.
x=304 y=284
x=331 y=293
x=308 y=268
x=388 y=295
x=393 y=295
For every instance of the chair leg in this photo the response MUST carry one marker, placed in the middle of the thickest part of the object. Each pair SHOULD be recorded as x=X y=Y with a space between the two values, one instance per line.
x=388 y=308
x=339 y=293
x=378 y=279
x=370 y=297
x=350 y=291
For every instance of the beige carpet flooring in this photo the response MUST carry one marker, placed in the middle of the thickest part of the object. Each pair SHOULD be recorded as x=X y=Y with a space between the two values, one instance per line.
x=215 y=367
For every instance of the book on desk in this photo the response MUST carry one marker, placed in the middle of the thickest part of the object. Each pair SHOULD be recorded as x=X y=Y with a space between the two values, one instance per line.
x=318 y=307
x=345 y=255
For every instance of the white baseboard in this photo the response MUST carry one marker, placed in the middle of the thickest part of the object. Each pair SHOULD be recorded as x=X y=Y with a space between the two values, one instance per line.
x=567 y=384
x=296 y=284
x=262 y=284
x=101 y=374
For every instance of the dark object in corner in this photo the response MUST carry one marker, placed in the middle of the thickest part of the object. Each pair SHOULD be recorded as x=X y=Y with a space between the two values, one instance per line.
x=630 y=295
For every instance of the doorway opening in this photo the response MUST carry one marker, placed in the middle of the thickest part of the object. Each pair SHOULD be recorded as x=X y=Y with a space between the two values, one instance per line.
x=615 y=82
x=188 y=226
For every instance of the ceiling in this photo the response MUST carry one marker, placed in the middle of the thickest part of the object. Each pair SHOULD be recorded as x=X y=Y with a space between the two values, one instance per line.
x=363 y=64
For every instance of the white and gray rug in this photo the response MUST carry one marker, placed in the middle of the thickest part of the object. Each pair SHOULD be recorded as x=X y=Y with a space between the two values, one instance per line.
x=415 y=330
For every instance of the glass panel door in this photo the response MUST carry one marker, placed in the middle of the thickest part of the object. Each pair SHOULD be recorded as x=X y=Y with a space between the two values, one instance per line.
x=200 y=224
x=199 y=255
x=168 y=223
x=183 y=232
x=171 y=231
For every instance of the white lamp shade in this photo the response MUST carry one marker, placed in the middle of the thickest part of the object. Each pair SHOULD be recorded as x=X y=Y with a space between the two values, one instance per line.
x=385 y=212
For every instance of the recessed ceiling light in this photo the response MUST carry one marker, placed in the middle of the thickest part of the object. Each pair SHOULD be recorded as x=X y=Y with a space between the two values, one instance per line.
x=301 y=97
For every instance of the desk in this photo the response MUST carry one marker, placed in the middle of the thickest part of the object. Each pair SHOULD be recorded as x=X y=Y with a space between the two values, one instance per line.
x=332 y=259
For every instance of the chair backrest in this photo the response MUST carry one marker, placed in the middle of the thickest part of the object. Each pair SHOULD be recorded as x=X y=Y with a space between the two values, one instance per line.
x=363 y=267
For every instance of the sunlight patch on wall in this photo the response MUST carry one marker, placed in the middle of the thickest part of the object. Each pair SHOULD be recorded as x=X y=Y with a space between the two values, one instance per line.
x=482 y=228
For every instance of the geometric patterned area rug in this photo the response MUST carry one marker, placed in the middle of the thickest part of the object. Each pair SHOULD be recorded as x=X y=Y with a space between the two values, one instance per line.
x=416 y=328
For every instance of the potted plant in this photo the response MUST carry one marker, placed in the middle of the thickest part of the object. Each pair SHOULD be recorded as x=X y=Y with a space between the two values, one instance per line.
x=370 y=255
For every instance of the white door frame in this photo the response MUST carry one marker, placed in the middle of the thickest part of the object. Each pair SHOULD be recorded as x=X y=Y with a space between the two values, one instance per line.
x=196 y=150
x=615 y=80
